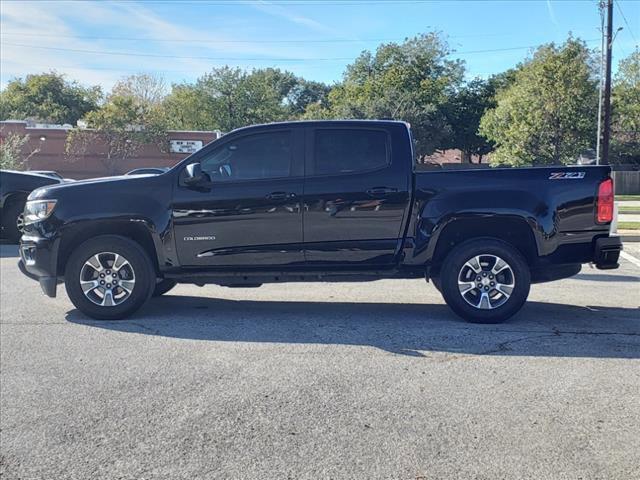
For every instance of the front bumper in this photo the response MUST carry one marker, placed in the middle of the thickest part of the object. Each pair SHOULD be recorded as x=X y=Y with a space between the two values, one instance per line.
x=607 y=252
x=38 y=261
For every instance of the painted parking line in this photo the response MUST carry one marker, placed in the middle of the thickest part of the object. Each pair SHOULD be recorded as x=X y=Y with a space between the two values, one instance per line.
x=631 y=258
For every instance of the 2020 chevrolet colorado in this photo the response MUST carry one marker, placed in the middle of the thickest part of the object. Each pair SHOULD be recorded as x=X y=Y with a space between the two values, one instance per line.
x=319 y=201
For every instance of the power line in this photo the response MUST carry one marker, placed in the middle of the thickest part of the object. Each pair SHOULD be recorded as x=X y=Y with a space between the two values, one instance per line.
x=123 y=70
x=147 y=70
x=287 y=3
x=626 y=23
x=182 y=40
x=186 y=57
x=243 y=59
x=259 y=40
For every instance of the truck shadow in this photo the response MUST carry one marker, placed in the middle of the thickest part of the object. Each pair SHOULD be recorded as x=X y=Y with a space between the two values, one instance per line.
x=604 y=277
x=8 y=250
x=421 y=330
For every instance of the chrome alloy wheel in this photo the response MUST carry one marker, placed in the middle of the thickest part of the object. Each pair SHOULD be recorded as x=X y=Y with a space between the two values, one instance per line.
x=486 y=282
x=20 y=223
x=107 y=279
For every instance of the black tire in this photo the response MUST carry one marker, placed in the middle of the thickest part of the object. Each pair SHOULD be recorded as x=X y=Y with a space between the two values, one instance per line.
x=10 y=216
x=437 y=283
x=502 y=306
x=144 y=277
x=163 y=287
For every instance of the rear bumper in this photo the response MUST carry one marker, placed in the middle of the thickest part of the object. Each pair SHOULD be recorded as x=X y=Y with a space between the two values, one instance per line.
x=607 y=252
x=38 y=261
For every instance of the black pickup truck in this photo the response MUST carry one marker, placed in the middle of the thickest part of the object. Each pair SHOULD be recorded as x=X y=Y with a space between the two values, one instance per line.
x=326 y=201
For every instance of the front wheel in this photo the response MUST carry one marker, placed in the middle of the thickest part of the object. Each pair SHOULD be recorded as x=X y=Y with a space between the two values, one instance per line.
x=109 y=277
x=163 y=287
x=485 y=280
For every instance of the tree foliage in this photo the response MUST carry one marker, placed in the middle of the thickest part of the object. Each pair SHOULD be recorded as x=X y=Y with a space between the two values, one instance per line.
x=307 y=93
x=47 y=97
x=408 y=81
x=464 y=110
x=122 y=127
x=625 y=141
x=547 y=115
x=228 y=98
x=542 y=112
x=145 y=88
x=12 y=155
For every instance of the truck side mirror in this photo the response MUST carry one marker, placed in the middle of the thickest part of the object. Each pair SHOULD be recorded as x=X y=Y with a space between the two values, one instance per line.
x=194 y=174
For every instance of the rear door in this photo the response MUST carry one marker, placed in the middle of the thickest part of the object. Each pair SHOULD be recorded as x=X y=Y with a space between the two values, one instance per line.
x=357 y=191
x=250 y=214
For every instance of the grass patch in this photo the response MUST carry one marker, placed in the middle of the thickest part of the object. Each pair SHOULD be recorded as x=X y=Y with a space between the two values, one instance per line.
x=622 y=198
x=624 y=209
x=628 y=225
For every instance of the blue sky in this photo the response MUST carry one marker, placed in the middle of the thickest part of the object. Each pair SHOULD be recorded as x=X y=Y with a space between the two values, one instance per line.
x=99 y=42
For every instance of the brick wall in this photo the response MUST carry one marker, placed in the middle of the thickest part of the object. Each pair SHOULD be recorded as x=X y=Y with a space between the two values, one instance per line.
x=49 y=145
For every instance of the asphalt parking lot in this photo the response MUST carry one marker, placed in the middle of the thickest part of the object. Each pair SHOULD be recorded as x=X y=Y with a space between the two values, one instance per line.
x=371 y=380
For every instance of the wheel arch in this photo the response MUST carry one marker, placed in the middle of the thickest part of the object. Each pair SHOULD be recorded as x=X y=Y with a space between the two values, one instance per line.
x=512 y=230
x=80 y=233
x=14 y=197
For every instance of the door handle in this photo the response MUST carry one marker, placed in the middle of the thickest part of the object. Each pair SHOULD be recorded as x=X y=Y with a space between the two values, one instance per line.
x=280 y=196
x=381 y=191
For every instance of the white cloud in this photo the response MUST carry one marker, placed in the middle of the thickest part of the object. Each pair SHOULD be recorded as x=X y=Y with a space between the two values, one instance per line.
x=288 y=14
x=63 y=25
x=552 y=13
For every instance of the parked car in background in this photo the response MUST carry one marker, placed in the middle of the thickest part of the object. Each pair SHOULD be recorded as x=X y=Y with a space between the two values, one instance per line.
x=48 y=173
x=318 y=201
x=148 y=171
x=52 y=174
x=15 y=187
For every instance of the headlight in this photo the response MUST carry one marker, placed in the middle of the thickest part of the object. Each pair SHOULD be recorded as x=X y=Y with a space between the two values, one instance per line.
x=38 y=210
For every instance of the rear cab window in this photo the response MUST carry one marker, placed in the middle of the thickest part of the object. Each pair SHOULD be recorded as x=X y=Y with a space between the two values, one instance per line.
x=344 y=150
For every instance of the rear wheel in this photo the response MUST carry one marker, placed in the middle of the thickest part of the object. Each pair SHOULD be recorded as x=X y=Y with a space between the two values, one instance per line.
x=485 y=280
x=109 y=277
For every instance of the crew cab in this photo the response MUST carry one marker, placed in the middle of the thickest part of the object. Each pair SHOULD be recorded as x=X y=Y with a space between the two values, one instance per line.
x=320 y=201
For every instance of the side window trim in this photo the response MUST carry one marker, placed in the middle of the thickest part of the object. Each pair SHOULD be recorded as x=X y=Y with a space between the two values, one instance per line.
x=311 y=152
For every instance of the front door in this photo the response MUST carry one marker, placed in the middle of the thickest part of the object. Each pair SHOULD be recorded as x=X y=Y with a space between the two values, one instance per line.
x=249 y=214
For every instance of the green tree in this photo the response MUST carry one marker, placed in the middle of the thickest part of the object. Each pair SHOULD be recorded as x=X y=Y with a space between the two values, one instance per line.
x=464 y=111
x=625 y=138
x=187 y=108
x=12 y=151
x=47 y=97
x=122 y=127
x=308 y=94
x=227 y=98
x=410 y=81
x=547 y=114
x=145 y=88
x=264 y=97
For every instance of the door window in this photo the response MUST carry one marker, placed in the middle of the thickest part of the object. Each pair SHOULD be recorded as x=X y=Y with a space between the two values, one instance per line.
x=262 y=155
x=349 y=151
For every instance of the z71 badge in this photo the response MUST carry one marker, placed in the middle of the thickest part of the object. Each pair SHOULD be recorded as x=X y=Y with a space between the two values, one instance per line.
x=566 y=175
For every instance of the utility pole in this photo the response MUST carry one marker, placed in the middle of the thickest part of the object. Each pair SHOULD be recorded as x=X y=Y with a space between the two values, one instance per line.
x=607 y=87
x=601 y=82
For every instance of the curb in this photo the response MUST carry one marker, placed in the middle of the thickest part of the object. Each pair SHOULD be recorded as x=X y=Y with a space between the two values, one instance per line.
x=629 y=237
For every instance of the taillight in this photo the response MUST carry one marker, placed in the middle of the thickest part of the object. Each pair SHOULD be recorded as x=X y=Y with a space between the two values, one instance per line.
x=604 y=203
